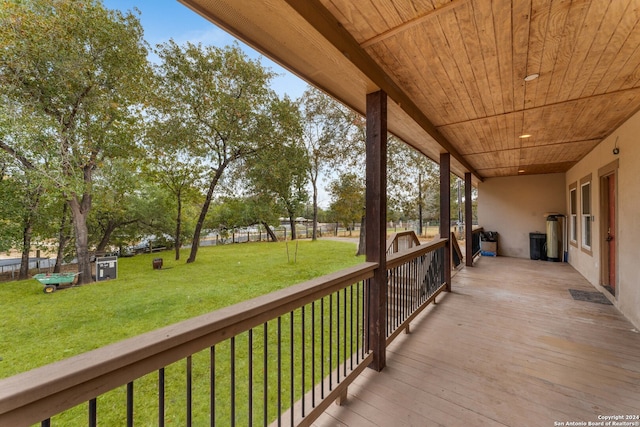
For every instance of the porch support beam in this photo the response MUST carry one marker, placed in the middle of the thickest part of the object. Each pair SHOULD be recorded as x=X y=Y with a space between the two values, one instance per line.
x=468 y=221
x=375 y=222
x=445 y=213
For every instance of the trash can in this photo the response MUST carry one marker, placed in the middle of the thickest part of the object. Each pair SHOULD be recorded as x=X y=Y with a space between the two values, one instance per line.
x=157 y=263
x=537 y=246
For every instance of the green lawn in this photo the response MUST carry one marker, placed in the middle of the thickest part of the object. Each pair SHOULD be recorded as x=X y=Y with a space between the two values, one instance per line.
x=37 y=328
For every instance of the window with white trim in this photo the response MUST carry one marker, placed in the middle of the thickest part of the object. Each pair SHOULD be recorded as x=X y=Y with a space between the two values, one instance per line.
x=585 y=199
x=573 y=214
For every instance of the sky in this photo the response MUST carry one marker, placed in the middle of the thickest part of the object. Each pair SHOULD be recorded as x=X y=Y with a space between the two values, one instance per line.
x=168 y=19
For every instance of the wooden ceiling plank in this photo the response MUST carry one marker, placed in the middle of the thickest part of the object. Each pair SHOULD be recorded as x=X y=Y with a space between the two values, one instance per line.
x=560 y=34
x=604 y=53
x=558 y=12
x=427 y=90
x=334 y=32
x=471 y=40
x=625 y=47
x=412 y=23
x=457 y=35
x=458 y=93
x=503 y=26
x=350 y=15
x=520 y=15
x=568 y=51
x=486 y=31
x=537 y=35
x=410 y=10
x=626 y=62
x=577 y=74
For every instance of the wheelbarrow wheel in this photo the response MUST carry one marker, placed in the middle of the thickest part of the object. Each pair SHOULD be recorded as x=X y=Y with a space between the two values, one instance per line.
x=49 y=289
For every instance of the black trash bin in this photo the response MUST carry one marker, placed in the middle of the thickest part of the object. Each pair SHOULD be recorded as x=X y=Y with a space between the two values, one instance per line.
x=537 y=246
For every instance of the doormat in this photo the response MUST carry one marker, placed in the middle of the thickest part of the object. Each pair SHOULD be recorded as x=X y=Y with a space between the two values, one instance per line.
x=595 y=296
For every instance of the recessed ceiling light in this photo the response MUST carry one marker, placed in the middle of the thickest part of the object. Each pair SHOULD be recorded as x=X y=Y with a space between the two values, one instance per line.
x=523 y=136
x=521 y=171
x=531 y=77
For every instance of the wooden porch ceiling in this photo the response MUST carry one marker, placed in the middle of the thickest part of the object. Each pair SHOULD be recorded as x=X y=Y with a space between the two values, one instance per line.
x=454 y=70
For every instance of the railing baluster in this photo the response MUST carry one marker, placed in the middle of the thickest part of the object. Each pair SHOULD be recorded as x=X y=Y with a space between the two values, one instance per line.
x=330 y=340
x=279 y=370
x=161 y=393
x=313 y=353
x=212 y=384
x=130 y=404
x=344 y=330
x=250 y=376
x=291 y=366
x=322 y=329
x=93 y=410
x=189 y=391
x=302 y=358
x=232 y=391
x=337 y=346
x=351 y=326
x=265 y=376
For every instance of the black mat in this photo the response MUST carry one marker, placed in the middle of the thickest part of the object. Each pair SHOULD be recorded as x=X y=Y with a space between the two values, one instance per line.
x=595 y=296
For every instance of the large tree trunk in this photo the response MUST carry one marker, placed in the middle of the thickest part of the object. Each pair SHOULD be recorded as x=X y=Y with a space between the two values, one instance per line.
x=361 y=242
x=270 y=232
x=106 y=236
x=63 y=239
x=79 y=213
x=26 y=246
x=314 y=234
x=203 y=213
x=176 y=239
x=292 y=223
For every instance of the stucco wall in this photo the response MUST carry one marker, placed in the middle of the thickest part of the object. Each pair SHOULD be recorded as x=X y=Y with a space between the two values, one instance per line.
x=515 y=207
x=628 y=207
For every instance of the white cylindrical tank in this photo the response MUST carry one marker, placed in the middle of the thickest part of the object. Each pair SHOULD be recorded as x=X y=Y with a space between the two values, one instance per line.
x=552 y=238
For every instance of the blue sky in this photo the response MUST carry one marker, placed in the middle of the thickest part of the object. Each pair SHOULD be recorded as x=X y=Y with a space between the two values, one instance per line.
x=167 y=19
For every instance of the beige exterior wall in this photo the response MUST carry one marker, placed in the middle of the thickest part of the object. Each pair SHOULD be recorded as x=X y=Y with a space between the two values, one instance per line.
x=516 y=206
x=628 y=212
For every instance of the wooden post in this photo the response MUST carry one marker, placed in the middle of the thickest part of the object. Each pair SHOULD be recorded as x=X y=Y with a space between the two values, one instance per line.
x=468 y=221
x=445 y=213
x=375 y=225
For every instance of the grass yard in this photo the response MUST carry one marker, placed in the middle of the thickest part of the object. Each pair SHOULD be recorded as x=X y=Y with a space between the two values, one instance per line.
x=38 y=329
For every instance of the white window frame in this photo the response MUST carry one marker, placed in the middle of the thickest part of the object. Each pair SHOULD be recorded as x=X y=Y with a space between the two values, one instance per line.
x=573 y=214
x=586 y=206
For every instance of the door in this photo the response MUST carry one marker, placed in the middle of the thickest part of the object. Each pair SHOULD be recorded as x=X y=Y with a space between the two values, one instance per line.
x=608 y=254
x=611 y=231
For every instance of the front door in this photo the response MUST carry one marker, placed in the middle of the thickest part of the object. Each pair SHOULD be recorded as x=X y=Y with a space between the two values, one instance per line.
x=609 y=247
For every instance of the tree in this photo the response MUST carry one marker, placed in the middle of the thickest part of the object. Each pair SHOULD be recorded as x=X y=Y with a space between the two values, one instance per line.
x=327 y=129
x=279 y=172
x=348 y=199
x=222 y=100
x=412 y=181
x=178 y=175
x=81 y=71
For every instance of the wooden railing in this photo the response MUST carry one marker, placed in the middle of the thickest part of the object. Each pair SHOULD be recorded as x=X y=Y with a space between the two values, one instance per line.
x=415 y=278
x=475 y=240
x=401 y=241
x=277 y=359
x=284 y=356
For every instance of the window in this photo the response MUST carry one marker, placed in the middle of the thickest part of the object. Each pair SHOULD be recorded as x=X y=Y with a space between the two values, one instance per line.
x=585 y=200
x=573 y=214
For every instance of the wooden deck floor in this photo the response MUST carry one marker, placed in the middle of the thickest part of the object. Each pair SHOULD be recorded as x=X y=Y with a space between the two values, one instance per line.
x=508 y=347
